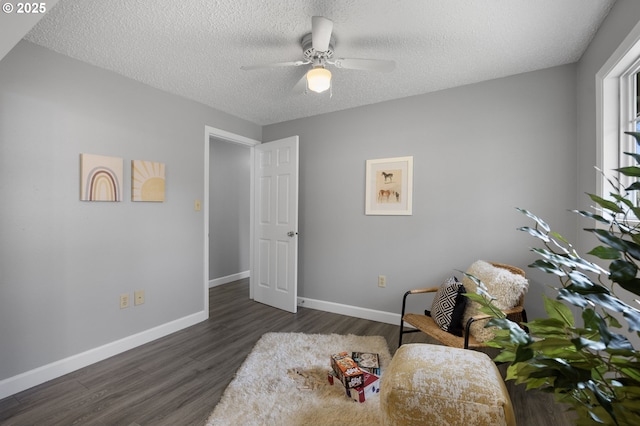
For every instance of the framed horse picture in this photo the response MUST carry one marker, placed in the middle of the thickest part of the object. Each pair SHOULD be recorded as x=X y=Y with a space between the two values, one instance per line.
x=389 y=186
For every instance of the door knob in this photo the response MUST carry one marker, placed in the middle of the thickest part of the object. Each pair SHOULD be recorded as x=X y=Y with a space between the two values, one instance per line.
x=291 y=233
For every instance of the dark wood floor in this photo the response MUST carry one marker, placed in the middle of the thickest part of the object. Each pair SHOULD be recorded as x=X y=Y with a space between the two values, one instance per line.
x=177 y=380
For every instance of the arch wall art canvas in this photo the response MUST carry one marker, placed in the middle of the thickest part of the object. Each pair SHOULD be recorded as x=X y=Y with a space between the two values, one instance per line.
x=100 y=178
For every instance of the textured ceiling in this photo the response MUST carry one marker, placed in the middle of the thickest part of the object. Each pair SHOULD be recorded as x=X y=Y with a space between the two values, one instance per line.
x=196 y=48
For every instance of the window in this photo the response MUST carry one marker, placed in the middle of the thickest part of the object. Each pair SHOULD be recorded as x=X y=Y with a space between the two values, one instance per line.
x=629 y=120
x=618 y=111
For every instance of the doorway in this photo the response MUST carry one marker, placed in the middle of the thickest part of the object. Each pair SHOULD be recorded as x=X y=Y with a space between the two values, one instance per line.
x=223 y=137
x=229 y=215
x=273 y=212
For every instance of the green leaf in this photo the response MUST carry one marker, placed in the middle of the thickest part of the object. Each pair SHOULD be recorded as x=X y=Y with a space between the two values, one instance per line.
x=558 y=311
x=602 y=398
x=630 y=368
x=633 y=187
x=617 y=243
x=613 y=341
x=581 y=342
x=607 y=301
x=539 y=221
x=591 y=319
x=636 y=135
x=605 y=204
x=516 y=334
x=552 y=344
x=616 y=342
x=590 y=215
x=636 y=211
x=504 y=356
x=568 y=261
x=632 y=171
x=547 y=267
x=622 y=271
x=633 y=319
x=485 y=300
x=605 y=253
x=555 y=258
x=580 y=283
x=632 y=285
x=523 y=353
x=547 y=327
x=613 y=321
x=572 y=297
x=559 y=237
x=614 y=304
x=609 y=239
x=535 y=233
x=623 y=200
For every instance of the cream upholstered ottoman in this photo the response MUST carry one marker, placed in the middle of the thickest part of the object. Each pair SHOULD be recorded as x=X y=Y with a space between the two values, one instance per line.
x=438 y=385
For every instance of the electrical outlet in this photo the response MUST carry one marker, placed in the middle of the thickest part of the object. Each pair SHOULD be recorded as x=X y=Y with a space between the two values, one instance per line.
x=124 y=300
x=382 y=281
x=138 y=297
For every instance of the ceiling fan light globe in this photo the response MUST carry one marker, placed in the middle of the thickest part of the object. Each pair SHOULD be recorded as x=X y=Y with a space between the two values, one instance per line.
x=319 y=79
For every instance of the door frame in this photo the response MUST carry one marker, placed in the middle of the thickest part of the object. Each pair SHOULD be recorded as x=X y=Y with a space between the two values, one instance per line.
x=213 y=132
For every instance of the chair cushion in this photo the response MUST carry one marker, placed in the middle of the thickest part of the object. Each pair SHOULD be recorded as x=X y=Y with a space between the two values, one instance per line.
x=505 y=286
x=448 y=306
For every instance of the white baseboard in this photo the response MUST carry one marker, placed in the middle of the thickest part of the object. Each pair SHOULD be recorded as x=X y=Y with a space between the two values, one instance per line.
x=59 y=368
x=352 y=311
x=228 y=279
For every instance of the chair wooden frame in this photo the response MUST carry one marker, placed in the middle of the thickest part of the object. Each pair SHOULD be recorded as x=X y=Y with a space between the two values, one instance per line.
x=425 y=324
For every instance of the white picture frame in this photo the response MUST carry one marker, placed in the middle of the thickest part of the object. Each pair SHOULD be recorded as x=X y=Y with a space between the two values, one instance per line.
x=389 y=186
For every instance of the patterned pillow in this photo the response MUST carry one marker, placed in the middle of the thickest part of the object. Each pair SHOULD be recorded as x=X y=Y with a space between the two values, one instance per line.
x=448 y=306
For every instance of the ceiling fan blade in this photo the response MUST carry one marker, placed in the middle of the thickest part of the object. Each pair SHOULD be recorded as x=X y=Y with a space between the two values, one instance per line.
x=301 y=86
x=380 y=65
x=275 y=65
x=321 y=29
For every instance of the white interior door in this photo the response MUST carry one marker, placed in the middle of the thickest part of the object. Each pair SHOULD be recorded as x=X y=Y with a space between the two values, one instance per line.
x=274 y=272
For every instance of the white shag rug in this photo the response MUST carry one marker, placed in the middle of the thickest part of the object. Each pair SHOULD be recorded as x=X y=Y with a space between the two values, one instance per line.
x=283 y=381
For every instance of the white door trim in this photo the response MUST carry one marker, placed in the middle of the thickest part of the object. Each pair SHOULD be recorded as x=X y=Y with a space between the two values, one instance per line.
x=210 y=132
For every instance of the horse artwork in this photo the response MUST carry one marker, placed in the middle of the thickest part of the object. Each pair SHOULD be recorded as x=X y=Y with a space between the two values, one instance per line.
x=383 y=195
x=388 y=195
x=389 y=186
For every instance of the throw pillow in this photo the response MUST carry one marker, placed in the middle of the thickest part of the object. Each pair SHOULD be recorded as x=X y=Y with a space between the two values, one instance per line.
x=502 y=284
x=448 y=306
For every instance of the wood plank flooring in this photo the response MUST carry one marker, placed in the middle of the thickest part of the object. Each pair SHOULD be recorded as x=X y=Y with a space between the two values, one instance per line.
x=177 y=380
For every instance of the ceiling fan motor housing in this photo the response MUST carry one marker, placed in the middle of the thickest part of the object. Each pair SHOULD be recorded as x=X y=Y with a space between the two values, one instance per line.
x=310 y=53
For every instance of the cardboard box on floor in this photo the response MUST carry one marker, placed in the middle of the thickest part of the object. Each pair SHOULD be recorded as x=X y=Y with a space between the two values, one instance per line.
x=367 y=361
x=370 y=387
x=347 y=370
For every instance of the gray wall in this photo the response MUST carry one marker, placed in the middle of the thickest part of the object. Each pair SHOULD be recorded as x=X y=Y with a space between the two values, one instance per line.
x=63 y=262
x=229 y=185
x=479 y=151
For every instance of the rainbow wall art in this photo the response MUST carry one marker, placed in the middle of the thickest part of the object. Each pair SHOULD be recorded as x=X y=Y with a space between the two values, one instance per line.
x=100 y=178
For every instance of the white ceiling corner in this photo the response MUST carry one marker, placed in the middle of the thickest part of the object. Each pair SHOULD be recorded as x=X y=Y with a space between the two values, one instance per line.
x=195 y=48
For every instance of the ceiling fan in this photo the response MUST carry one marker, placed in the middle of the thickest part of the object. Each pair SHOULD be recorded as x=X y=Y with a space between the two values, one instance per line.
x=318 y=50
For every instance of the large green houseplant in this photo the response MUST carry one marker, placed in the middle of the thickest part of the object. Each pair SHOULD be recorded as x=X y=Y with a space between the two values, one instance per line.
x=586 y=364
